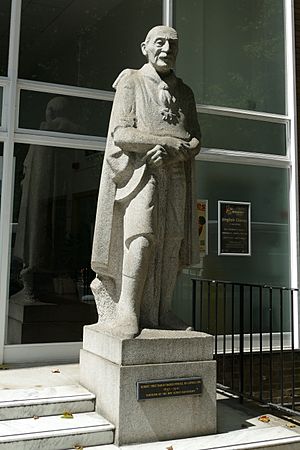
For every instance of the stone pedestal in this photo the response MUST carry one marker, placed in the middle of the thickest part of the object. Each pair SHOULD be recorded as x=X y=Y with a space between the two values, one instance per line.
x=111 y=366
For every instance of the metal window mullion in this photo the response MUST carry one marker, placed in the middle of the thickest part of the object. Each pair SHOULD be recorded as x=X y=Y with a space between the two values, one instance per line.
x=17 y=107
x=22 y=132
x=7 y=188
x=242 y=114
x=60 y=89
x=4 y=107
x=4 y=83
x=168 y=12
x=61 y=140
x=241 y=157
x=290 y=72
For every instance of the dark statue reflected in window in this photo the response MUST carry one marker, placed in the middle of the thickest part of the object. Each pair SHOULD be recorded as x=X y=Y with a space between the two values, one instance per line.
x=54 y=210
x=90 y=116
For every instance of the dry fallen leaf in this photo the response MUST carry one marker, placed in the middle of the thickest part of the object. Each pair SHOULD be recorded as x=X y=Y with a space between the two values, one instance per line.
x=265 y=419
x=3 y=367
x=170 y=448
x=55 y=371
x=67 y=415
x=78 y=447
x=36 y=417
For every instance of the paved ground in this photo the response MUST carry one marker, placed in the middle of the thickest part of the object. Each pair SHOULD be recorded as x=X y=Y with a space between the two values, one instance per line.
x=232 y=416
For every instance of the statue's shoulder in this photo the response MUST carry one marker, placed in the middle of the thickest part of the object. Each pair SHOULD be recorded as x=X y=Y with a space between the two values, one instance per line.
x=126 y=77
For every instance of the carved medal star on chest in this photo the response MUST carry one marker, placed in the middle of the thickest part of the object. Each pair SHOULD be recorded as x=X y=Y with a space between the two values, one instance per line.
x=168 y=115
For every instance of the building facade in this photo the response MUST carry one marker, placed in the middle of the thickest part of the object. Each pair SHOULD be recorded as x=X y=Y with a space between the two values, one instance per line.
x=58 y=60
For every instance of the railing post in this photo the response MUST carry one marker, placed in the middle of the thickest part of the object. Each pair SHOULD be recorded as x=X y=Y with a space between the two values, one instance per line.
x=268 y=313
x=194 y=303
x=241 y=387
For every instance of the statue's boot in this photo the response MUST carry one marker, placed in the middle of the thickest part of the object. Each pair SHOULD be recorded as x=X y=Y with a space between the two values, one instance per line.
x=135 y=269
x=125 y=324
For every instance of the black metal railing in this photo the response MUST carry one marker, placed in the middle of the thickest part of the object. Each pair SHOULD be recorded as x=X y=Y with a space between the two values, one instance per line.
x=256 y=341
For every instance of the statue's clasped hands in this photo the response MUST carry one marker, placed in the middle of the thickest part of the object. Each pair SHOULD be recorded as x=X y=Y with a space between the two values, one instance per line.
x=181 y=150
x=172 y=151
x=156 y=156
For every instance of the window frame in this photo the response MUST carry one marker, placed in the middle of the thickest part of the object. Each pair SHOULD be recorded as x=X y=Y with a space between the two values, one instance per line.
x=10 y=134
x=290 y=160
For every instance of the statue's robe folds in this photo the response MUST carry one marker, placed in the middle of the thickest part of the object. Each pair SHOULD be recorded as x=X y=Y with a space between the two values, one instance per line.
x=135 y=199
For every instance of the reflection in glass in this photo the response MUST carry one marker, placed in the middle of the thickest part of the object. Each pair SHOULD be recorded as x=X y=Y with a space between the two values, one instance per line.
x=53 y=214
x=84 y=43
x=242 y=134
x=1 y=170
x=5 y=6
x=1 y=103
x=268 y=191
x=237 y=52
x=44 y=111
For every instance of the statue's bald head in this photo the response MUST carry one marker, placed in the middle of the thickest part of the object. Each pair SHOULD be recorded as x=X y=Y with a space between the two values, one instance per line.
x=160 y=48
x=161 y=30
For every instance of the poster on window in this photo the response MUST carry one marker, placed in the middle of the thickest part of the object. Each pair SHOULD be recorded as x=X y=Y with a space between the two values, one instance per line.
x=234 y=228
x=202 y=217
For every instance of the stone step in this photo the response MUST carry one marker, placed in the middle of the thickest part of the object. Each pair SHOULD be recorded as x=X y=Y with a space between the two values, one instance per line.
x=253 y=438
x=44 y=401
x=55 y=432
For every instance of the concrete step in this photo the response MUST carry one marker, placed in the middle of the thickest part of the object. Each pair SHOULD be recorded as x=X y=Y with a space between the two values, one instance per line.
x=55 y=432
x=252 y=438
x=44 y=401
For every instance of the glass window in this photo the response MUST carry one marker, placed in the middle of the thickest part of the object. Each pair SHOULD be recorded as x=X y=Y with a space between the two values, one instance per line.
x=1 y=175
x=5 y=6
x=267 y=189
x=1 y=169
x=1 y=104
x=54 y=209
x=232 y=52
x=64 y=113
x=84 y=43
x=242 y=134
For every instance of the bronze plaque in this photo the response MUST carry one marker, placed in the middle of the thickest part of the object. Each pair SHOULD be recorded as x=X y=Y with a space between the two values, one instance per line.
x=173 y=387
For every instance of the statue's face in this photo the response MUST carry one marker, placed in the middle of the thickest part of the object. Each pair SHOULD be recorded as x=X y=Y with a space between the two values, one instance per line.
x=161 y=50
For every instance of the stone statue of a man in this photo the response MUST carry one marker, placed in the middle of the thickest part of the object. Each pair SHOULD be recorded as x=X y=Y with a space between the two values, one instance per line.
x=145 y=229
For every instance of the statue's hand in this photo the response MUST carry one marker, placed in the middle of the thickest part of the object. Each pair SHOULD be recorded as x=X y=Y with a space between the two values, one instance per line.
x=156 y=156
x=194 y=146
x=178 y=148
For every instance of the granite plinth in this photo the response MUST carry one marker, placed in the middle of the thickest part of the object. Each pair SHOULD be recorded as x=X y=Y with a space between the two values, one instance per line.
x=110 y=367
x=151 y=346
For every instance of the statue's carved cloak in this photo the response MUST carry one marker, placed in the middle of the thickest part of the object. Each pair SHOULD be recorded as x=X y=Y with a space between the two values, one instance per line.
x=138 y=104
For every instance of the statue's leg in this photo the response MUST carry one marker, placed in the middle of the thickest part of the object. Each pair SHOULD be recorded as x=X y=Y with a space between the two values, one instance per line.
x=136 y=260
x=170 y=268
